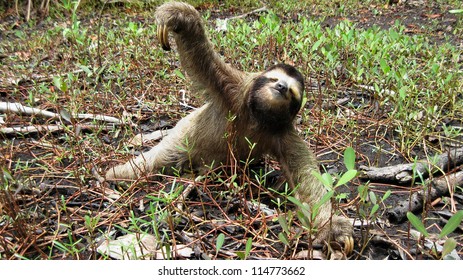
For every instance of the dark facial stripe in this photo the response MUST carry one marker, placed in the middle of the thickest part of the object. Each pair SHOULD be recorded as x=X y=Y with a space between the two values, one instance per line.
x=290 y=71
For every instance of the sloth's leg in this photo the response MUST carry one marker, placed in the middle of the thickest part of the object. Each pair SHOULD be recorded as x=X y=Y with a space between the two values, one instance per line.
x=164 y=155
x=298 y=163
x=170 y=152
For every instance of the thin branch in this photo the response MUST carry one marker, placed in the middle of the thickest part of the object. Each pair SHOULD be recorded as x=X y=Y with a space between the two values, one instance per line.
x=439 y=187
x=47 y=128
x=403 y=173
x=15 y=107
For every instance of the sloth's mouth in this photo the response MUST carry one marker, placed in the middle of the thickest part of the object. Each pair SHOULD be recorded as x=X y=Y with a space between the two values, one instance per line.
x=280 y=92
x=281 y=87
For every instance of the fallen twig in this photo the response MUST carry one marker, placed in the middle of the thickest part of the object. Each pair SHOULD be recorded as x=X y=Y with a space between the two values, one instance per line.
x=16 y=107
x=403 y=173
x=258 y=10
x=48 y=128
x=221 y=24
x=439 y=187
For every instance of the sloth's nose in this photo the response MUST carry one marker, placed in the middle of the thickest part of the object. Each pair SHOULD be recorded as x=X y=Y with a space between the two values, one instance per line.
x=282 y=87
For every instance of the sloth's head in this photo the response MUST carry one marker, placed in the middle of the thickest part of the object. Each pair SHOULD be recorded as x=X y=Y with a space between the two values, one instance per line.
x=276 y=97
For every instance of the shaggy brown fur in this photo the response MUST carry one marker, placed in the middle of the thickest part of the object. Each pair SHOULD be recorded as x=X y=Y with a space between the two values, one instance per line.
x=263 y=106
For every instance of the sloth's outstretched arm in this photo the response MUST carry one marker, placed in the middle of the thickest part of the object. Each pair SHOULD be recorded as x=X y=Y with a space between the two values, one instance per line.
x=299 y=163
x=197 y=55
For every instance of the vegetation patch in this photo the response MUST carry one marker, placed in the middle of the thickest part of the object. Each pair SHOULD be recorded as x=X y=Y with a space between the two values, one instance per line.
x=80 y=91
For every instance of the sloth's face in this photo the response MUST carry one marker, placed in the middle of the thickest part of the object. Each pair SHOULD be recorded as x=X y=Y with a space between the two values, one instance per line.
x=280 y=90
x=276 y=96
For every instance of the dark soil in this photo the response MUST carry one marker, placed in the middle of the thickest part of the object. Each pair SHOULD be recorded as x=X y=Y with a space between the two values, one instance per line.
x=45 y=208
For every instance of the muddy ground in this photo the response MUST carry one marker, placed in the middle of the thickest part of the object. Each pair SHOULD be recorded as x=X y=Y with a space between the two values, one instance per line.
x=50 y=206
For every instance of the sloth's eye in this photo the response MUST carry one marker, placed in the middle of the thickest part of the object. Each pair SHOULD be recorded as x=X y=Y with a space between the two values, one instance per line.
x=273 y=80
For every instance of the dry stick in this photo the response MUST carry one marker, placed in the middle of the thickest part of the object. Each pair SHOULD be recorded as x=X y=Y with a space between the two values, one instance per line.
x=403 y=173
x=263 y=9
x=439 y=187
x=28 y=12
x=47 y=128
x=16 y=107
x=19 y=108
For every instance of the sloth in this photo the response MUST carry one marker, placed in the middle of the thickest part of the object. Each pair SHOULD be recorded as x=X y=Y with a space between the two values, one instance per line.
x=240 y=108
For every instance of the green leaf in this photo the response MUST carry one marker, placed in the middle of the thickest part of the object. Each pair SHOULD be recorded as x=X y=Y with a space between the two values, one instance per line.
x=295 y=201
x=386 y=195
x=349 y=158
x=248 y=247
x=449 y=245
x=283 y=238
x=372 y=197
x=416 y=222
x=302 y=217
x=179 y=74
x=283 y=223
x=374 y=209
x=240 y=255
x=386 y=69
x=324 y=178
x=59 y=83
x=316 y=45
x=346 y=177
x=66 y=115
x=86 y=69
x=457 y=11
x=452 y=224
x=322 y=201
x=219 y=242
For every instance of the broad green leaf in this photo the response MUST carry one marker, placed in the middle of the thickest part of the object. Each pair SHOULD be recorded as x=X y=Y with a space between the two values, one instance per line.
x=179 y=74
x=303 y=219
x=86 y=69
x=386 y=195
x=248 y=247
x=416 y=222
x=386 y=69
x=324 y=178
x=283 y=238
x=374 y=209
x=449 y=245
x=452 y=224
x=59 y=83
x=219 y=242
x=372 y=196
x=240 y=255
x=323 y=200
x=283 y=223
x=295 y=201
x=346 y=177
x=349 y=158
x=66 y=115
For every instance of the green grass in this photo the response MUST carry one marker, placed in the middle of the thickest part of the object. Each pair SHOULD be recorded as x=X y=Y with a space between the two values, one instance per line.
x=401 y=89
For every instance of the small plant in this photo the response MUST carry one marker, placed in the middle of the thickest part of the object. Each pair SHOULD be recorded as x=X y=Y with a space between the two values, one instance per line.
x=306 y=214
x=248 y=247
x=219 y=243
x=450 y=243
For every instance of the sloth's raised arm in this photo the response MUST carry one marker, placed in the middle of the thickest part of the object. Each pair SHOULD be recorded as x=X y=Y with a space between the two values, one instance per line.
x=197 y=55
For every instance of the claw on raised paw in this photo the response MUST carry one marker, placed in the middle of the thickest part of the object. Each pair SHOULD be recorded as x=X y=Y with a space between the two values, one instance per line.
x=348 y=245
x=163 y=36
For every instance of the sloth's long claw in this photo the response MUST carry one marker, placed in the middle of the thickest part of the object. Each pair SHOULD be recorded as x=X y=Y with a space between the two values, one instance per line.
x=163 y=36
x=348 y=245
